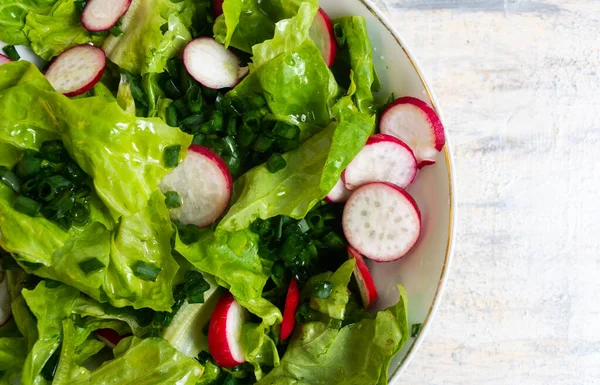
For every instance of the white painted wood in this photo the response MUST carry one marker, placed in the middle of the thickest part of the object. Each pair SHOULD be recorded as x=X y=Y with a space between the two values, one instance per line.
x=519 y=84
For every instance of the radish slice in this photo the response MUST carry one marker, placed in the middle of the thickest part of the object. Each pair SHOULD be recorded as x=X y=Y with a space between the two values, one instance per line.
x=289 y=313
x=5 y=309
x=415 y=123
x=339 y=193
x=225 y=332
x=77 y=70
x=4 y=59
x=321 y=32
x=383 y=159
x=213 y=65
x=218 y=8
x=102 y=15
x=381 y=221
x=366 y=285
x=204 y=185
x=110 y=337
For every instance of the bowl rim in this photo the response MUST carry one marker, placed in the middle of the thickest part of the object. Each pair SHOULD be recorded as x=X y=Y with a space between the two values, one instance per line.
x=387 y=23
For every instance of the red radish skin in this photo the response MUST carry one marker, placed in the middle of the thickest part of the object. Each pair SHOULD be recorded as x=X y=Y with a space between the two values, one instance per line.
x=102 y=15
x=383 y=159
x=212 y=65
x=289 y=313
x=225 y=331
x=381 y=221
x=218 y=8
x=204 y=185
x=414 y=122
x=5 y=308
x=321 y=32
x=4 y=59
x=109 y=336
x=77 y=70
x=366 y=285
x=339 y=193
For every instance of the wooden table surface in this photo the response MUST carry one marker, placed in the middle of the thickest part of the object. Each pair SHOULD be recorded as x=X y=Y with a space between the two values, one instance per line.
x=519 y=84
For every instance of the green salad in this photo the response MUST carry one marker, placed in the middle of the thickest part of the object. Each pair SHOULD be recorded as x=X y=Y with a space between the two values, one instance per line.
x=171 y=205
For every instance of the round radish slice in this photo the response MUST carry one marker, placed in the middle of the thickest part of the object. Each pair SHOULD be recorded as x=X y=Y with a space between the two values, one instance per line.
x=321 y=32
x=77 y=70
x=109 y=336
x=4 y=59
x=366 y=285
x=225 y=332
x=415 y=123
x=289 y=314
x=204 y=185
x=383 y=159
x=339 y=193
x=5 y=309
x=102 y=15
x=381 y=221
x=213 y=65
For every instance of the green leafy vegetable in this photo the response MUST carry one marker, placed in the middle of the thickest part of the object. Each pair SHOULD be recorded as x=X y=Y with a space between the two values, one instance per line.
x=333 y=304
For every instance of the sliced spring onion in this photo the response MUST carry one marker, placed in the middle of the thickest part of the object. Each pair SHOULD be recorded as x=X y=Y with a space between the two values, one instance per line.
x=171 y=89
x=50 y=187
x=172 y=200
x=415 y=329
x=145 y=271
x=340 y=35
x=59 y=207
x=231 y=126
x=171 y=116
x=334 y=240
x=27 y=206
x=11 y=52
x=79 y=214
x=322 y=289
x=90 y=265
x=253 y=120
x=10 y=179
x=286 y=131
x=30 y=165
x=246 y=136
x=236 y=105
x=303 y=226
x=276 y=163
x=195 y=286
x=194 y=99
x=193 y=122
x=53 y=151
x=263 y=143
x=199 y=139
x=217 y=120
x=188 y=233
x=171 y=156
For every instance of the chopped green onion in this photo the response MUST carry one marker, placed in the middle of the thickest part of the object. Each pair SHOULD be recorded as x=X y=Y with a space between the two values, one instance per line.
x=74 y=173
x=217 y=120
x=263 y=144
x=195 y=286
x=340 y=35
x=236 y=105
x=260 y=226
x=204 y=357
x=257 y=101
x=286 y=145
x=137 y=92
x=53 y=151
x=231 y=146
x=171 y=116
x=64 y=222
x=51 y=186
x=49 y=369
x=206 y=128
x=171 y=156
x=286 y=131
x=172 y=200
x=334 y=241
x=181 y=108
x=316 y=222
x=171 y=89
x=29 y=189
x=253 y=120
x=276 y=163
x=278 y=270
x=322 y=289
x=188 y=233
x=199 y=139
x=90 y=265
x=233 y=163
x=116 y=30
x=59 y=207
x=80 y=4
x=303 y=226
x=27 y=206
x=11 y=52
x=82 y=194
x=415 y=329
x=246 y=136
x=10 y=179
x=304 y=314
x=194 y=99
x=186 y=80
x=211 y=95
x=193 y=122
x=232 y=126
x=30 y=165
x=79 y=214
x=145 y=271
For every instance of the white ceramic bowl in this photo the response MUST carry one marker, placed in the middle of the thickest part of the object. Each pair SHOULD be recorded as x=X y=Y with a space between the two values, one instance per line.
x=423 y=272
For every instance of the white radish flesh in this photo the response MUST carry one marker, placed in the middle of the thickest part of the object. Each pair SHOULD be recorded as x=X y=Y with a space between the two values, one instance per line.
x=204 y=185
x=415 y=123
x=321 y=32
x=4 y=59
x=366 y=284
x=225 y=332
x=5 y=308
x=383 y=159
x=339 y=193
x=77 y=70
x=102 y=15
x=381 y=221
x=213 y=65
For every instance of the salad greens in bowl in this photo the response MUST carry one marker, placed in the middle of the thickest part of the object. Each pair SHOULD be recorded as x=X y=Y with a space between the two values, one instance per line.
x=213 y=192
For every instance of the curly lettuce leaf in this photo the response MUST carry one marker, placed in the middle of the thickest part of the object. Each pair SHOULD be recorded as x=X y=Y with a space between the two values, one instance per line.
x=154 y=31
x=259 y=348
x=245 y=23
x=13 y=15
x=292 y=191
x=356 y=354
x=335 y=305
x=232 y=258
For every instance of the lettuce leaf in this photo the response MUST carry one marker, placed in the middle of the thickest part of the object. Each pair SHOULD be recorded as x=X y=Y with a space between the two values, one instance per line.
x=292 y=191
x=245 y=23
x=259 y=348
x=335 y=305
x=356 y=354
x=154 y=31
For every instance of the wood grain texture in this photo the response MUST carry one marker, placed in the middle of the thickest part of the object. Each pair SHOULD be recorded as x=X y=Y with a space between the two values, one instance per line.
x=519 y=84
